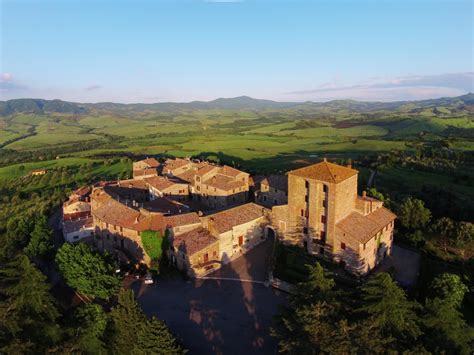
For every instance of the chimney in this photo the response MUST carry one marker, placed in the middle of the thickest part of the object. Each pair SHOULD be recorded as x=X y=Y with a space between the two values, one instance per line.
x=325 y=160
x=364 y=194
x=349 y=166
x=136 y=219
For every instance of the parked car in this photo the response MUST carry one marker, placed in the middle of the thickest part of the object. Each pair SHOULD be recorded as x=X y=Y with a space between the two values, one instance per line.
x=148 y=279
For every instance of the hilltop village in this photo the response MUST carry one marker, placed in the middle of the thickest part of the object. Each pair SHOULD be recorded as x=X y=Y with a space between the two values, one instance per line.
x=212 y=214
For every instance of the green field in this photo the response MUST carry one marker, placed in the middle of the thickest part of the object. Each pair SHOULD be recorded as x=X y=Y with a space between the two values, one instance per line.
x=268 y=137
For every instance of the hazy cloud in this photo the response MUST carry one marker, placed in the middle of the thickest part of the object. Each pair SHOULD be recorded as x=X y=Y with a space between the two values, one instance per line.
x=93 y=87
x=399 y=88
x=6 y=77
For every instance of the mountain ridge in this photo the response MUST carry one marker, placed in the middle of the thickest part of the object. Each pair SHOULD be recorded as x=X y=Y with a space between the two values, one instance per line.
x=42 y=106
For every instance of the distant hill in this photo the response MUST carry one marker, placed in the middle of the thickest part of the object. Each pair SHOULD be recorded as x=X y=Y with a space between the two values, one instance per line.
x=40 y=106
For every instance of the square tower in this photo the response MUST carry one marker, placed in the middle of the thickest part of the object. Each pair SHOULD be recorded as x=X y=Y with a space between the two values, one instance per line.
x=319 y=196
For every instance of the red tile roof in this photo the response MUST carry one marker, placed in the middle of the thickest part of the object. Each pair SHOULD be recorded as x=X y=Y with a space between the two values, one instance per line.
x=193 y=241
x=224 y=221
x=279 y=182
x=325 y=171
x=151 y=162
x=362 y=228
x=182 y=219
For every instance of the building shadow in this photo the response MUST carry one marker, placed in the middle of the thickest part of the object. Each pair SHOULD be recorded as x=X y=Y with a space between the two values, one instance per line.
x=220 y=316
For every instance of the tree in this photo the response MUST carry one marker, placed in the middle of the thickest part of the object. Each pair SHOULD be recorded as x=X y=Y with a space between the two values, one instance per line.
x=314 y=322
x=376 y=194
x=18 y=233
x=319 y=286
x=89 y=324
x=40 y=244
x=27 y=310
x=413 y=214
x=131 y=332
x=387 y=307
x=464 y=233
x=88 y=272
x=449 y=288
x=446 y=331
x=157 y=339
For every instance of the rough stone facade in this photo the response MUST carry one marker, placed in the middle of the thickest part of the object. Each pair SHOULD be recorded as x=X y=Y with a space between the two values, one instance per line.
x=322 y=199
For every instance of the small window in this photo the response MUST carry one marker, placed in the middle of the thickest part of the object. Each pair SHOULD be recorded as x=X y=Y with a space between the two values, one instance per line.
x=364 y=245
x=324 y=203
x=198 y=188
x=305 y=230
x=75 y=237
x=265 y=198
x=198 y=178
x=214 y=253
x=325 y=188
x=323 y=236
x=323 y=219
x=184 y=257
x=275 y=201
x=306 y=198
x=306 y=184
x=302 y=213
x=343 y=246
x=276 y=190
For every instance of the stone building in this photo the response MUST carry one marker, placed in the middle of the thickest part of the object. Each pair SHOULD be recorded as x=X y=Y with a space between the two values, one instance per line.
x=272 y=191
x=145 y=168
x=325 y=215
x=195 y=252
x=159 y=186
x=238 y=229
x=211 y=186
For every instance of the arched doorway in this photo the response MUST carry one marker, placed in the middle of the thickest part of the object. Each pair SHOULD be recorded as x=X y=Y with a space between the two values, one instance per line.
x=269 y=233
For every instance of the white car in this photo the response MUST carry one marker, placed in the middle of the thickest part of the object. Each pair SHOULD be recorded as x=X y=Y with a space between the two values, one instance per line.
x=148 y=279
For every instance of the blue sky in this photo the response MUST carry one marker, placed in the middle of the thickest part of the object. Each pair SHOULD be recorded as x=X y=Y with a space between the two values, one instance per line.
x=152 y=51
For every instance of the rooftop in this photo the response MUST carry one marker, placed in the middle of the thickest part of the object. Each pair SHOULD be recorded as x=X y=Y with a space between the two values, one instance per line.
x=361 y=229
x=193 y=241
x=224 y=183
x=182 y=219
x=151 y=162
x=325 y=171
x=224 y=221
x=279 y=182
x=161 y=183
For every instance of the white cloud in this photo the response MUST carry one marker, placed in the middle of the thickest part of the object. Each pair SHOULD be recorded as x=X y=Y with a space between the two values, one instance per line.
x=414 y=87
x=6 y=77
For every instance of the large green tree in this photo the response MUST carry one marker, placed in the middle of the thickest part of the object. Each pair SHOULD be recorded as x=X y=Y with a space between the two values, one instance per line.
x=87 y=330
x=89 y=272
x=386 y=306
x=413 y=214
x=40 y=244
x=446 y=331
x=449 y=288
x=28 y=312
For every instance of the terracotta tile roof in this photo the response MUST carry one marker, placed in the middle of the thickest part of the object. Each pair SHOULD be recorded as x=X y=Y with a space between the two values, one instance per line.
x=151 y=162
x=361 y=228
x=82 y=191
x=279 y=182
x=325 y=171
x=229 y=171
x=165 y=206
x=172 y=164
x=188 y=175
x=224 y=183
x=194 y=241
x=224 y=221
x=182 y=219
x=113 y=212
x=145 y=172
x=205 y=169
x=159 y=182
x=130 y=183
